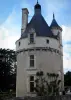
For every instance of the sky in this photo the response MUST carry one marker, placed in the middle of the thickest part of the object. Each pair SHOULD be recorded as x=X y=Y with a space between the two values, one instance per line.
x=10 y=22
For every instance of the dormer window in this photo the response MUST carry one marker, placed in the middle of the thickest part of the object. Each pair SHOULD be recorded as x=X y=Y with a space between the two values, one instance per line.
x=31 y=38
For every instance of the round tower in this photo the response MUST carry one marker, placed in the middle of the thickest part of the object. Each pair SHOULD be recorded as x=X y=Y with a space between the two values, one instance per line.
x=57 y=31
x=37 y=49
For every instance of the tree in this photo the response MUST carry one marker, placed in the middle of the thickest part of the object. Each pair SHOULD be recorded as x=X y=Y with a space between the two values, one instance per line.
x=47 y=85
x=40 y=84
x=67 y=79
x=53 y=84
x=7 y=69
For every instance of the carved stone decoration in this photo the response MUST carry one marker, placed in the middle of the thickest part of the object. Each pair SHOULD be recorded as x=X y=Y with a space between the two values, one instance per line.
x=32 y=30
x=41 y=48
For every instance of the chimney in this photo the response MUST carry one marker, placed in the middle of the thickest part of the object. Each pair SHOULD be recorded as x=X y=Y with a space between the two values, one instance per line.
x=24 y=19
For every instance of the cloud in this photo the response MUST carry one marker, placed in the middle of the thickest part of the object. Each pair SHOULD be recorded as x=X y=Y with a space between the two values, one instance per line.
x=66 y=37
x=67 y=62
x=66 y=33
x=9 y=32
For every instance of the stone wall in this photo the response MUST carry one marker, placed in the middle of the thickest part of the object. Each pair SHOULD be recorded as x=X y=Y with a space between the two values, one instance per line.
x=65 y=97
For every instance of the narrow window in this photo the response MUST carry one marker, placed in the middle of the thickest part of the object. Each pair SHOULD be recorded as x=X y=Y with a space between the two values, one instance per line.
x=31 y=38
x=31 y=60
x=19 y=43
x=47 y=41
x=31 y=83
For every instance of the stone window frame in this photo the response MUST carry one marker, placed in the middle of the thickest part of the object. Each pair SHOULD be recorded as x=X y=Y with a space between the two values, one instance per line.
x=28 y=81
x=31 y=38
x=32 y=61
x=31 y=31
x=31 y=83
x=28 y=64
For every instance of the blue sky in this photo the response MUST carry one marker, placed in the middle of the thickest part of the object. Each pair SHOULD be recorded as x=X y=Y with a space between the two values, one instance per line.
x=10 y=22
x=61 y=8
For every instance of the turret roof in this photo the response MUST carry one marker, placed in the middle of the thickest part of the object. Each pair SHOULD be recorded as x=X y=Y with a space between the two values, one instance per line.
x=38 y=24
x=54 y=23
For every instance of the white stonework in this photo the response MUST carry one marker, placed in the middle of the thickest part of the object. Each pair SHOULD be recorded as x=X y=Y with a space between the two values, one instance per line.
x=48 y=57
x=46 y=61
x=39 y=42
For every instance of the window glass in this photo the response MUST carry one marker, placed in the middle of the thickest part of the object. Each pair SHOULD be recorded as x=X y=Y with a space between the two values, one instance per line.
x=31 y=60
x=31 y=56
x=31 y=83
x=19 y=43
x=31 y=38
x=31 y=78
x=47 y=41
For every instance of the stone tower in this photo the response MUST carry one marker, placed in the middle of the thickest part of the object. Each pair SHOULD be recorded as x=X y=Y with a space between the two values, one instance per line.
x=39 y=48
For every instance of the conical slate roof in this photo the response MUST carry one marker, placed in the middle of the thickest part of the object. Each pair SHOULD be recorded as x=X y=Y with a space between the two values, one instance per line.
x=38 y=24
x=54 y=23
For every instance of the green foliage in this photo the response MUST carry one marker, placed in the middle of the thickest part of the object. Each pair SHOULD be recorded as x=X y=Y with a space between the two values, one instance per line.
x=47 y=85
x=7 y=69
x=40 y=84
x=67 y=79
x=7 y=95
x=53 y=84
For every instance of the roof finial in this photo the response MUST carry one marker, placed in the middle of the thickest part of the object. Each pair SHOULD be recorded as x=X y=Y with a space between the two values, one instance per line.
x=37 y=1
x=53 y=16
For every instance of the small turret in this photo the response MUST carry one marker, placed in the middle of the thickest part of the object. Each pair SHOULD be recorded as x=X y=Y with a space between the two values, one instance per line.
x=54 y=24
x=37 y=8
x=55 y=28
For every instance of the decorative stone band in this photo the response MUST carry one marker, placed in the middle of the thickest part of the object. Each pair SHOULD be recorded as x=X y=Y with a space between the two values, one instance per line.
x=39 y=49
